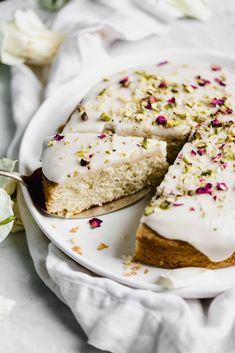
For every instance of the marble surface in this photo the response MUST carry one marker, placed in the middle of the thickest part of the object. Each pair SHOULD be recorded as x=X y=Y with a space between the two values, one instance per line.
x=40 y=323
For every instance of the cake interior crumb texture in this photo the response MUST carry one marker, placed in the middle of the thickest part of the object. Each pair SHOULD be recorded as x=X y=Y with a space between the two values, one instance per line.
x=104 y=185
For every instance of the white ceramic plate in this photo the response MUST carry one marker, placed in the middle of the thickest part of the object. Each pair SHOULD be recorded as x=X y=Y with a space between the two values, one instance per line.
x=118 y=228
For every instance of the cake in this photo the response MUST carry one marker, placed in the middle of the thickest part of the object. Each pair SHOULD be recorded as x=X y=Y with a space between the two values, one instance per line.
x=190 y=220
x=198 y=196
x=88 y=169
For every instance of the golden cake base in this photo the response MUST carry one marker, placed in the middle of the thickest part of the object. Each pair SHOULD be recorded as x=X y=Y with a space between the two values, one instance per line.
x=153 y=249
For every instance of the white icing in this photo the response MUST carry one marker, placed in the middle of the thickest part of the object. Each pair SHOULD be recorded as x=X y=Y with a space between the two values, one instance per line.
x=62 y=159
x=119 y=102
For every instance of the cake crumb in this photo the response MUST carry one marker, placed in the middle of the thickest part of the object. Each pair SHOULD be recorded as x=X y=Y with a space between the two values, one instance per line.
x=129 y=274
x=74 y=229
x=77 y=249
x=102 y=246
x=74 y=240
x=131 y=267
x=53 y=225
x=146 y=271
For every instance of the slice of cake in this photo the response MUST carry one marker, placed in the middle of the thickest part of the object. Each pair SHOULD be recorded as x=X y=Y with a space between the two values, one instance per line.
x=156 y=101
x=87 y=169
x=191 y=220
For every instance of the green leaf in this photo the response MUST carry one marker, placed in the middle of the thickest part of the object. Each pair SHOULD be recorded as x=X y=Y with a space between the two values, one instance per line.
x=7 y=220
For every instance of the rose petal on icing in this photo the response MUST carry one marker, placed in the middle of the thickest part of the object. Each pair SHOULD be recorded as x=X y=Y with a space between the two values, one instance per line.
x=58 y=137
x=163 y=63
x=201 y=151
x=161 y=120
x=177 y=204
x=148 y=106
x=220 y=82
x=217 y=157
x=124 y=82
x=162 y=84
x=204 y=189
x=202 y=81
x=216 y=101
x=101 y=136
x=221 y=186
x=215 y=67
x=95 y=222
x=171 y=100
x=216 y=123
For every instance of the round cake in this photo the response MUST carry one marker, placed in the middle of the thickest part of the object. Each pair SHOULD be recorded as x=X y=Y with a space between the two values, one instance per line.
x=190 y=220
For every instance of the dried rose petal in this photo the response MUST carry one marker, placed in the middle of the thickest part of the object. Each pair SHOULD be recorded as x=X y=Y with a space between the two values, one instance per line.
x=162 y=84
x=95 y=222
x=216 y=123
x=192 y=209
x=201 y=151
x=148 y=106
x=178 y=204
x=194 y=87
x=202 y=81
x=171 y=100
x=215 y=67
x=58 y=137
x=163 y=63
x=101 y=136
x=124 y=81
x=217 y=157
x=216 y=101
x=193 y=153
x=204 y=189
x=221 y=146
x=221 y=186
x=152 y=99
x=220 y=82
x=161 y=120
x=228 y=111
x=223 y=165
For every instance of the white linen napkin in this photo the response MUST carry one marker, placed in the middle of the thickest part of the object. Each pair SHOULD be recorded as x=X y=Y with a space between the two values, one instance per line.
x=114 y=317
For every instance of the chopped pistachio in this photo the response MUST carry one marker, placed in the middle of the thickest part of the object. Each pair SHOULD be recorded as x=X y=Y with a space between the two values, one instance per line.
x=164 y=205
x=105 y=117
x=149 y=210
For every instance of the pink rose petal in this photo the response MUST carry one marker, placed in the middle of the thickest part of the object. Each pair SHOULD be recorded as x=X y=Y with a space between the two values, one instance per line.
x=215 y=67
x=161 y=120
x=221 y=186
x=95 y=222
x=207 y=189
x=58 y=137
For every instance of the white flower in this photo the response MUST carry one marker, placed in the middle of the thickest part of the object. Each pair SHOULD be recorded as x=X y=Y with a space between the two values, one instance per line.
x=192 y=8
x=27 y=40
x=7 y=184
x=6 y=215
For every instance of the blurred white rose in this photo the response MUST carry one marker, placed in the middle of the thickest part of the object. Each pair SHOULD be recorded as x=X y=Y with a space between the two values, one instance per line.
x=27 y=40
x=192 y=8
x=6 y=215
x=9 y=186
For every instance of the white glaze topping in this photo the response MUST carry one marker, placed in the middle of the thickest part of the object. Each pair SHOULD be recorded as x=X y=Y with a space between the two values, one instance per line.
x=131 y=101
x=69 y=155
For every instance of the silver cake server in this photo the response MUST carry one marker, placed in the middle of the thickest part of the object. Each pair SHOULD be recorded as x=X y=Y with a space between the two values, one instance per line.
x=33 y=183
